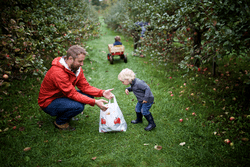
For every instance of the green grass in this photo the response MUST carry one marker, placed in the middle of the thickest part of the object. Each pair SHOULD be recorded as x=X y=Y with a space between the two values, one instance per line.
x=135 y=147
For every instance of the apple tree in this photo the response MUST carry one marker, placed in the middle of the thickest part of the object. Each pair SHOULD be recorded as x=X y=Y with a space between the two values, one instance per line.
x=33 y=32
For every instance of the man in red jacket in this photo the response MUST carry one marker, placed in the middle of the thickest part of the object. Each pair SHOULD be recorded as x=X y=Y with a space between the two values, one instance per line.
x=58 y=96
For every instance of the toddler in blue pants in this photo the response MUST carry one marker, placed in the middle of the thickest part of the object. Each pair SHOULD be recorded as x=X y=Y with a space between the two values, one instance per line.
x=143 y=94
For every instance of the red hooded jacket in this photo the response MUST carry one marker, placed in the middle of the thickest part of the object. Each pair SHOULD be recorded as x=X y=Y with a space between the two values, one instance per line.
x=60 y=81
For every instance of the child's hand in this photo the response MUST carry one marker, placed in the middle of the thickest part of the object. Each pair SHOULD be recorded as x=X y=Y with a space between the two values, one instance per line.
x=126 y=91
x=144 y=101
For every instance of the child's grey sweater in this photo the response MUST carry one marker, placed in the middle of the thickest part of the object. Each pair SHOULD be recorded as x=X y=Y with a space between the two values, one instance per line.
x=141 y=90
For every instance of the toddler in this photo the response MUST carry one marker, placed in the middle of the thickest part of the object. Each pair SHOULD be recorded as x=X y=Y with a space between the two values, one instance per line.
x=117 y=41
x=143 y=94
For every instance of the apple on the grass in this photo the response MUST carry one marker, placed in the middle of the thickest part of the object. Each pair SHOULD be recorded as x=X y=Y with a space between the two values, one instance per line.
x=227 y=141
x=181 y=120
x=193 y=113
x=232 y=118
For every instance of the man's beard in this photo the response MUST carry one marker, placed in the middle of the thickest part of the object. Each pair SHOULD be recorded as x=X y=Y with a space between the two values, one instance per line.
x=74 y=68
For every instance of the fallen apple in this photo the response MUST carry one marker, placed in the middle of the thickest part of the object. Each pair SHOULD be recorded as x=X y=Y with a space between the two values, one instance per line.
x=158 y=147
x=227 y=141
x=232 y=118
x=244 y=139
x=187 y=108
x=181 y=120
x=193 y=113
x=27 y=149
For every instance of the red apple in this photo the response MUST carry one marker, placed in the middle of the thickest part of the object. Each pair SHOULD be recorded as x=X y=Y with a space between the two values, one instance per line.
x=187 y=108
x=5 y=76
x=170 y=77
x=193 y=113
x=181 y=120
x=227 y=141
x=117 y=121
x=103 y=121
x=232 y=118
x=14 y=127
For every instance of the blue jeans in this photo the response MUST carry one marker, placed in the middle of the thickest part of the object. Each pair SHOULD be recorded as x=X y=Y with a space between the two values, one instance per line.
x=143 y=108
x=64 y=108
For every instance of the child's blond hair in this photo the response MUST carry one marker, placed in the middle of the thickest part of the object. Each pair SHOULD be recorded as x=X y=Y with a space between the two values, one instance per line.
x=117 y=38
x=126 y=74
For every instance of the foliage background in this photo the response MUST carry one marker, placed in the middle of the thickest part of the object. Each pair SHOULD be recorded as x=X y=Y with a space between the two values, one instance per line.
x=207 y=37
x=33 y=32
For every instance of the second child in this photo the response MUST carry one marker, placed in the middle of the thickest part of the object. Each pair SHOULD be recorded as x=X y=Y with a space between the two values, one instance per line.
x=117 y=41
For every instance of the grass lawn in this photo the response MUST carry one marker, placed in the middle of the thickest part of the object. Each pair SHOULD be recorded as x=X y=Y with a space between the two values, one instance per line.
x=135 y=147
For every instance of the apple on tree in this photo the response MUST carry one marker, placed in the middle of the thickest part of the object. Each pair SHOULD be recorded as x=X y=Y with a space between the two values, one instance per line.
x=5 y=76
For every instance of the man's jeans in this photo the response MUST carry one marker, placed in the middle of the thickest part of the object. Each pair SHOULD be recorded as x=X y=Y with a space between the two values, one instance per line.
x=143 y=108
x=64 y=108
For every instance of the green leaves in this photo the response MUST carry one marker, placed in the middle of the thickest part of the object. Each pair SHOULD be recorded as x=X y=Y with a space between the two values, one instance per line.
x=34 y=32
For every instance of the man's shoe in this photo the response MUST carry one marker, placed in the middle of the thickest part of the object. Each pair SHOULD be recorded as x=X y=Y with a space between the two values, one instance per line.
x=64 y=126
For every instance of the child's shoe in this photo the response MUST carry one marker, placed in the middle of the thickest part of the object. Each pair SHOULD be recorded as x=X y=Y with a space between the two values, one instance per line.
x=138 y=119
x=151 y=123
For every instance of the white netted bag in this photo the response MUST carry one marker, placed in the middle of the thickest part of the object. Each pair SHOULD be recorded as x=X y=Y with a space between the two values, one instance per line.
x=112 y=119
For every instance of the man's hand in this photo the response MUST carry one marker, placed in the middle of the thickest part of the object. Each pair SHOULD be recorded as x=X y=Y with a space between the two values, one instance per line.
x=144 y=101
x=107 y=94
x=126 y=91
x=100 y=104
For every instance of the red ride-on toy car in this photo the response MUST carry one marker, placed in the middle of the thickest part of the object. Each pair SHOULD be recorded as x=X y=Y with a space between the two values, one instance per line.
x=116 y=50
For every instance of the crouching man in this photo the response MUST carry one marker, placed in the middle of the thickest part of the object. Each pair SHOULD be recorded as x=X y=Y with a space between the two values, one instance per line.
x=58 y=96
